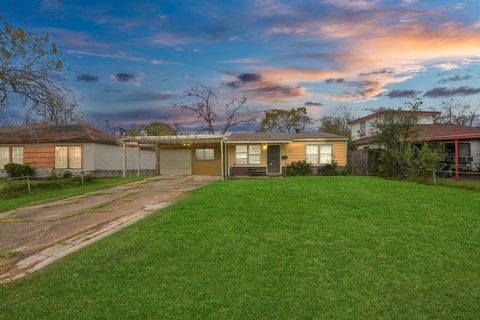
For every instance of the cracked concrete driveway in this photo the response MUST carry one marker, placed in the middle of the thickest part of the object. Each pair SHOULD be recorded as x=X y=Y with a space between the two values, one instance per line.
x=26 y=231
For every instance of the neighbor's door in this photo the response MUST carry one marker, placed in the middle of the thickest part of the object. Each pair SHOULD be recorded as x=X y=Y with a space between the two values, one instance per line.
x=273 y=159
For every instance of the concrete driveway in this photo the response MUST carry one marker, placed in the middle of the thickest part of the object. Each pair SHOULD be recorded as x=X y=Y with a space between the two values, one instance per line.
x=27 y=234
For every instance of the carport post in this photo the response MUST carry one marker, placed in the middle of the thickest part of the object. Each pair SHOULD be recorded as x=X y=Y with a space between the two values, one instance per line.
x=456 y=160
x=138 y=159
x=221 y=159
x=124 y=165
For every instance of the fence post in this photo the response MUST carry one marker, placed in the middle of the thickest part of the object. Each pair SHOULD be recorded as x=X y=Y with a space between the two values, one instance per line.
x=82 y=175
x=28 y=184
x=434 y=178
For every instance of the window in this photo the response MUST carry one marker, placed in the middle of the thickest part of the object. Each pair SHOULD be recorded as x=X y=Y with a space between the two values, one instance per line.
x=10 y=155
x=248 y=154
x=68 y=157
x=4 y=156
x=363 y=128
x=463 y=148
x=205 y=154
x=17 y=155
x=319 y=154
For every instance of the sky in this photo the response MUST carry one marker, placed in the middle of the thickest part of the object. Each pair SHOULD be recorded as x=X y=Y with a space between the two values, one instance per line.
x=131 y=61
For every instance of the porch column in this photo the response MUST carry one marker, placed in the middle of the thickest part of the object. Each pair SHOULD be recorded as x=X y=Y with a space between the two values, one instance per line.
x=138 y=159
x=157 y=157
x=456 y=160
x=124 y=162
x=221 y=160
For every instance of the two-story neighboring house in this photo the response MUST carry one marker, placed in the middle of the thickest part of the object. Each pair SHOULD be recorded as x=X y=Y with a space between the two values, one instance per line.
x=459 y=144
x=363 y=128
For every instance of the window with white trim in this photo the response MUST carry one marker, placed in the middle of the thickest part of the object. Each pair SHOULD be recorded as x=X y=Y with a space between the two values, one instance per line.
x=319 y=154
x=68 y=157
x=4 y=156
x=205 y=154
x=10 y=155
x=248 y=154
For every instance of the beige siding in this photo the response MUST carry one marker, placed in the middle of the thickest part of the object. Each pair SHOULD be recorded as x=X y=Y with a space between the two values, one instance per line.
x=295 y=151
x=110 y=157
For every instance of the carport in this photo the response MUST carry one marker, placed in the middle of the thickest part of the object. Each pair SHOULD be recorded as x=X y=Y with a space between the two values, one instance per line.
x=182 y=154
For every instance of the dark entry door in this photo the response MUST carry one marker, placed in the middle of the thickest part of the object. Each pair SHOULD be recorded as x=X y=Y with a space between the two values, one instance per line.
x=273 y=159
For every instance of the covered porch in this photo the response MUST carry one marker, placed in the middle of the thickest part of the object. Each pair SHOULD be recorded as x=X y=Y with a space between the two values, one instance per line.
x=183 y=155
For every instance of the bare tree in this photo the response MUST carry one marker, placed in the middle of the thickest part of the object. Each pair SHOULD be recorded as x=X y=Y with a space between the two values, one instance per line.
x=28 y=64
x=279 y=120
x=455 y=112
x=205 y=108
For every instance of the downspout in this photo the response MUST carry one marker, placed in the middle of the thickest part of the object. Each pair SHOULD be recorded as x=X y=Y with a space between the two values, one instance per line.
x=456 y=160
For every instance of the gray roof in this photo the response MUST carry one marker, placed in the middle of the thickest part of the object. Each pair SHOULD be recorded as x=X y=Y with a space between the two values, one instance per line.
x=282 y=136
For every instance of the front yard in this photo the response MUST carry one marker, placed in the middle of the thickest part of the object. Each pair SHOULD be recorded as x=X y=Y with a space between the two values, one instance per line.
x=307 y=247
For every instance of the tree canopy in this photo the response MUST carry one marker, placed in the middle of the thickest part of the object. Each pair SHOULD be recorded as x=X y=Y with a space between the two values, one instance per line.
x=279 y=120
x=29 y=63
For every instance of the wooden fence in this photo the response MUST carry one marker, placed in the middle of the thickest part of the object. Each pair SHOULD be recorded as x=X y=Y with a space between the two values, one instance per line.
x=363 y=162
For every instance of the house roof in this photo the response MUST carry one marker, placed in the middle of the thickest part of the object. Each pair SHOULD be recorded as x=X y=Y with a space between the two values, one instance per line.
x=46 y=133
x=282 y=136
x=438 y=132
x=179 y=139
x=405 y=112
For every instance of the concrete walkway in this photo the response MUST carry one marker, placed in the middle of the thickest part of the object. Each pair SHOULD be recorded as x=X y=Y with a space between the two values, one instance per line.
x=33 y=237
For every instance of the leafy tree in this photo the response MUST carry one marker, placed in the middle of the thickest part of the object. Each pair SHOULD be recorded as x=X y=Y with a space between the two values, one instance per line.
x=278 y=120
x=337 y=122
x=159 y=129
x=205 y=107
x=28 y=64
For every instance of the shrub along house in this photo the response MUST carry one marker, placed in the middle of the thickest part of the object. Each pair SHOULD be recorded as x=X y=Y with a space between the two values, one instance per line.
x=244 y=154
x=75 y=148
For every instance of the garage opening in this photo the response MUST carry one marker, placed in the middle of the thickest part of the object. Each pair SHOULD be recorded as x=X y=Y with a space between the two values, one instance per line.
x=175 y=161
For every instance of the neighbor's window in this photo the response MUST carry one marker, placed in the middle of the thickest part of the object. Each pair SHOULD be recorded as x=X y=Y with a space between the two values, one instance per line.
x=17 y=155
x=10 y=155
x=248 y=154
x=4 y=156
x=363 y=127
x=68 y=157
x=205 y=154
x=318 y=154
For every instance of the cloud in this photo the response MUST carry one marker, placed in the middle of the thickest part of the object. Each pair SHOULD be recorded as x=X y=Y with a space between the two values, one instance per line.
x=354 y=4
x=72 y=38
x=116 y=56
x=149 y=96
x=243 y=79
x=170 y=39
x=455 y=78
x=447 y=66
x=313 y=104
x=403 y=93
x=134 y=79
x=376 y=72
x=335 y=80
x=450 y=92
x=249 y=60
x=85 y=77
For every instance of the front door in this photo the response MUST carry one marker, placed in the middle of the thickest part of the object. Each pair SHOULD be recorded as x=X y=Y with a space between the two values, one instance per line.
x=273 y=159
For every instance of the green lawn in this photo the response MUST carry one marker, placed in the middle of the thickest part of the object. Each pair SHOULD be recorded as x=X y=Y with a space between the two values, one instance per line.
x=312 y=247
x=37 y=197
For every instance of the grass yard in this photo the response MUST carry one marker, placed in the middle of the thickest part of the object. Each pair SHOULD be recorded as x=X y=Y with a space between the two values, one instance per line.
x=37 y=197
x=307 y=247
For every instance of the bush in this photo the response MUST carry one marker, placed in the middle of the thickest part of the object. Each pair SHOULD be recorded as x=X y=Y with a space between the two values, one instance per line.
x=299 y=168
x=425 y=162
x=15 y=170
x=67 y=174
x=328 y=169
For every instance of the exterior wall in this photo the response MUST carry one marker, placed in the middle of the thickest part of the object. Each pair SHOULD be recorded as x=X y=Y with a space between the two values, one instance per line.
x=110 y=157
x=295 y=151
x=475 y=149
x=370 y=126
x=98 y=159
x=201 y=167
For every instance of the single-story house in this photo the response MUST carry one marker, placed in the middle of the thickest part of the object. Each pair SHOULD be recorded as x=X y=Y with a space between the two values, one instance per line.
x=241 y=154
x=75 y=148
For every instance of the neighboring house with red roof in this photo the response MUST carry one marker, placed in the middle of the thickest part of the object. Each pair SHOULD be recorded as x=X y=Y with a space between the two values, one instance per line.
x=448 y=138
x=75 y=148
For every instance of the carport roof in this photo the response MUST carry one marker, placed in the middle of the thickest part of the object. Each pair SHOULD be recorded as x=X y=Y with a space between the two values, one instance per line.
x=180 y=139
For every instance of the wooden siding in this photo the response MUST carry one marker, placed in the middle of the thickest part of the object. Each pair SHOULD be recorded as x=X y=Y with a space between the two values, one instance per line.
x=40 y=156
x=201 y=167
x=295 y=151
